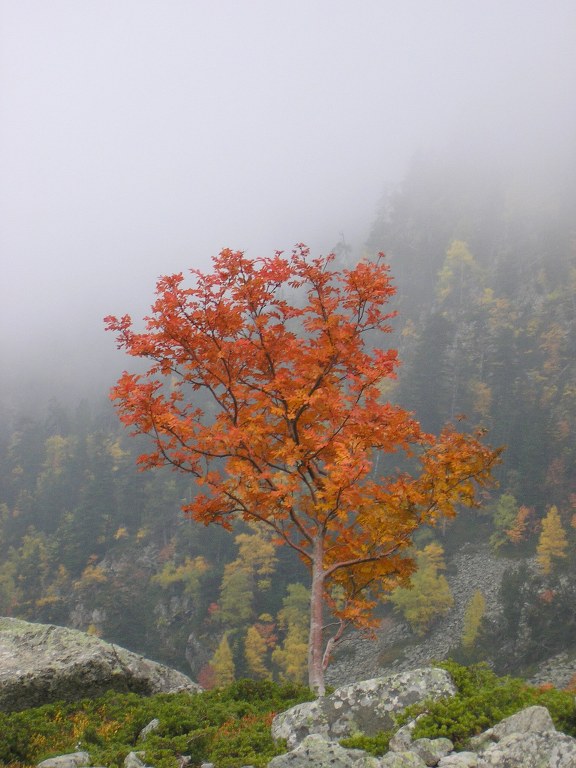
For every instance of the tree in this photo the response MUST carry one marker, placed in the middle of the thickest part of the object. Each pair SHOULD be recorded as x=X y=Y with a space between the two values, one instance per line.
x=428 y=595
x=473 y=616
x=274 y=406
x=290 y=657
x=505 y=515
x=222 y=663
x=552 y=542
x=255 y=651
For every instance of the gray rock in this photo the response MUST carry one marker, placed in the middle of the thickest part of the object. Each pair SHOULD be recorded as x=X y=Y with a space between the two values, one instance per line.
x=153 y=725
x=367 y=707
x=73 y=760
x=41 y=663
x=482 y=741
x=402 y=760
x=547 y=749
x=402 y=739
x=316 y=752
x=459 y=760
x=431 y=750
x=134 y=760
x=529 y=720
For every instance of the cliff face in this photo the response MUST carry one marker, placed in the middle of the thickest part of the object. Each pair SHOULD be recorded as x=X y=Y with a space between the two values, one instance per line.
x=40 y=663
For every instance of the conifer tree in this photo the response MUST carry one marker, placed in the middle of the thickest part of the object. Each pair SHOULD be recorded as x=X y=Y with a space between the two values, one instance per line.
x=505 y=516
x=552 y=544
x=223 y=663
x=473 y=616
x=291 y=656
x=255 y=649
x=428 y=595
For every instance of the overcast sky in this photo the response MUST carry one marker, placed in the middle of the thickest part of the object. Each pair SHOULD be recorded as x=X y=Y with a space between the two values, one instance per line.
x=139 y=137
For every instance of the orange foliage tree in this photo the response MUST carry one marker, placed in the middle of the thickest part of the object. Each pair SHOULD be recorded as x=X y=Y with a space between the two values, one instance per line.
x=287 y=350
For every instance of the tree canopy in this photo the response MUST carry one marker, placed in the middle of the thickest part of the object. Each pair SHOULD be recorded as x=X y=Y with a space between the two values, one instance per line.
x=265 y=384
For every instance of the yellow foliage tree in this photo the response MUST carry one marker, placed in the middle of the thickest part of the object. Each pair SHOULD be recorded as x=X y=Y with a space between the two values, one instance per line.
x=473 y=616
x=248 y=574
x=292 y=656
x=223 y=663
x=428 y=595
x=255 y=651
x=460 y=272
x=552 y=544
x=189 y=574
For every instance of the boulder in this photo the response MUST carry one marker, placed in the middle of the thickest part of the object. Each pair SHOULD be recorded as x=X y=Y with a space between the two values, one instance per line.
x=41 y=663
x=401 y=760
x=316 y=752
x=459 y=760
x=547 y=749
x=530 y=720
x=367 y=707
x=72 y=760
x=527 y=739
x=431 y=750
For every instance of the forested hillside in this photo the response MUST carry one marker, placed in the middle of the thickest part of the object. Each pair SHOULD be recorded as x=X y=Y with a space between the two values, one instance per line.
x=486 y=330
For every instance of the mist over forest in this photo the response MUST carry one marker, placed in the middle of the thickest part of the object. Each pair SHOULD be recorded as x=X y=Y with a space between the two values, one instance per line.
x=141 y=138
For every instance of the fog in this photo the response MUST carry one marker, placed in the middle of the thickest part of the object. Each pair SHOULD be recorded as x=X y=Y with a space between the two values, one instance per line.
x=139 y=137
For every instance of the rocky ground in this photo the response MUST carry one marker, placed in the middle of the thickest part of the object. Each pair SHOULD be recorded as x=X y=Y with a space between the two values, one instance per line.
x=396 y=647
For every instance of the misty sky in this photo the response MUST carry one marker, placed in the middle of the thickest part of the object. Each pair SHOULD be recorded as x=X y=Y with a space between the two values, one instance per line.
x=139 y=137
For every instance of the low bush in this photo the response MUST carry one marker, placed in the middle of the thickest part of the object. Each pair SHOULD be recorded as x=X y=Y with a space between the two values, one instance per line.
x=483 y=699
x=229 y=727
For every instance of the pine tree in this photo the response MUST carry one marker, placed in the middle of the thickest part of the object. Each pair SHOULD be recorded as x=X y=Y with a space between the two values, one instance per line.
x=552 y=543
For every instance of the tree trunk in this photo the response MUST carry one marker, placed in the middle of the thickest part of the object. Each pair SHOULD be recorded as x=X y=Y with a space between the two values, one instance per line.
x=315 y=640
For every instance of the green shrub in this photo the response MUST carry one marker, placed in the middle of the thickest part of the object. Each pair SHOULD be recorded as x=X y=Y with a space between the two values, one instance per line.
x=483 y=699
x=229 y=727
x=376 y=745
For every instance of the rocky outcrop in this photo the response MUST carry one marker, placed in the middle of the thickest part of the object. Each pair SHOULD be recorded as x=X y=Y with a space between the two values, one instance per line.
x=367 y=707
x=527 y=739
x=520 y=747
x=40 y=663
x=317 y=751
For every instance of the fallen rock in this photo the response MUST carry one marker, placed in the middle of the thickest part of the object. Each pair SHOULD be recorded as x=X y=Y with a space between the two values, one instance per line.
x=459 y=760
x=367 y=707
x=548 y=749
x=529 y=720
x=73 y=760
x=401 y=760
x=41 y=663
x=317 y=752
x=431 y=750
x=153 y=725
